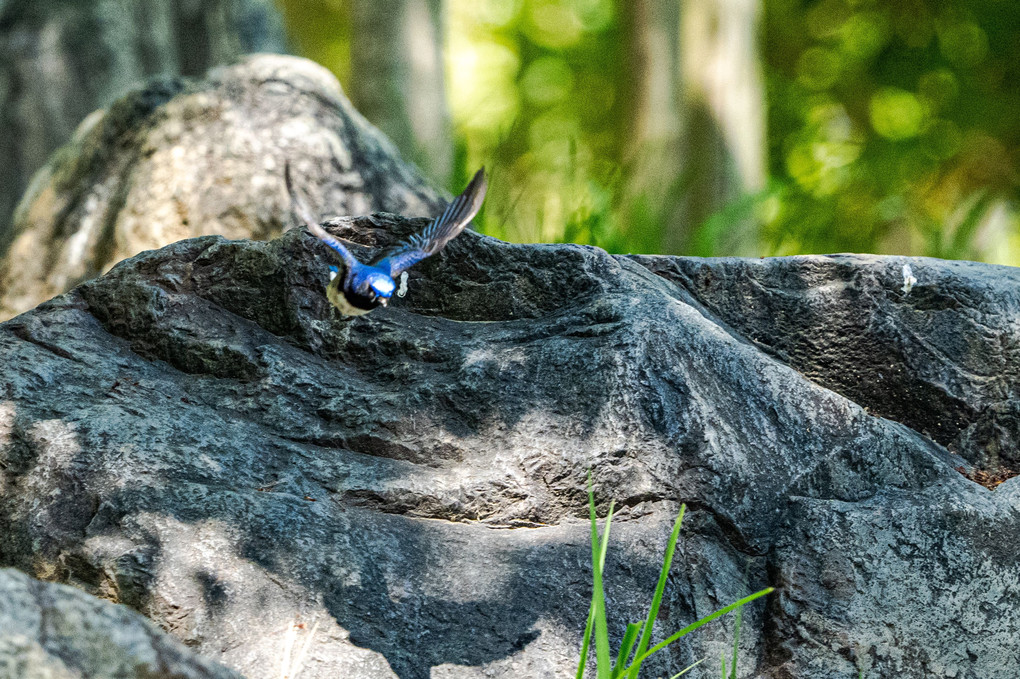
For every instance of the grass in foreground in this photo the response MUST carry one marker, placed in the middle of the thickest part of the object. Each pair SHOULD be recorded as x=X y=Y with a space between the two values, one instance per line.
x=637 y=637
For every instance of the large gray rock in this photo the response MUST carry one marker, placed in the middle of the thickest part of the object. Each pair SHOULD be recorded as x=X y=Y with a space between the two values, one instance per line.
x=941 y=356
x=62 y=59
x=178 y=158
x=199 y=435
x=52 y=631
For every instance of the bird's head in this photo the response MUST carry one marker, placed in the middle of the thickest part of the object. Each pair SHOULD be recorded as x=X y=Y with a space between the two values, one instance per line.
x=376 y=286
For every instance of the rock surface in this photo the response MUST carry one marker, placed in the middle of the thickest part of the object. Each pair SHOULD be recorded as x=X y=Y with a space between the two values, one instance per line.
x=178 y=159
x=61 y=60
x=198 y=435
x=52 y=631
x=942 y=356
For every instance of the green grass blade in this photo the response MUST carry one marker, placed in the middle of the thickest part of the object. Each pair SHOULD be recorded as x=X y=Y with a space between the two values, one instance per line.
x=736 y=641
x=598 y=552
x=687 y=669
x=695 y=625
x=601 y=546
x=604 y=542
x=626 y=646
x=603 y=637
x=586 y=642
x=660 y=587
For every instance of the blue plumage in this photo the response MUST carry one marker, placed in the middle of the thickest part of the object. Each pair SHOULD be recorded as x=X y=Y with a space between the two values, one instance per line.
x=363 y=287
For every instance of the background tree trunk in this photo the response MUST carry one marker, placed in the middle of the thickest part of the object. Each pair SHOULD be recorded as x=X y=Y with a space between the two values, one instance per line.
x=650 y=139
x=694 y=131
x=397 y=78
x=723 y=100
x=61 y=59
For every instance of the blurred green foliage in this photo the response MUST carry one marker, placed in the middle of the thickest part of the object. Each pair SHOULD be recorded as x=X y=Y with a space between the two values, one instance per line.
x=533 y=87
x=893 y=126
x=321 y=31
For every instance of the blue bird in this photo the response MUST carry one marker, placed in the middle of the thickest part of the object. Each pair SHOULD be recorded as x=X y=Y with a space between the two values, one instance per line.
x=363 y=287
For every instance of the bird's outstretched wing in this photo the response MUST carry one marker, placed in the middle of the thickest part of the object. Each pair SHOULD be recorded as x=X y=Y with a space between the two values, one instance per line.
x=440 y=230
x=301 y=208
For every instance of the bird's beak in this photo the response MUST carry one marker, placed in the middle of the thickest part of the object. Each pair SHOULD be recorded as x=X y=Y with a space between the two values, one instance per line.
x=384 y=301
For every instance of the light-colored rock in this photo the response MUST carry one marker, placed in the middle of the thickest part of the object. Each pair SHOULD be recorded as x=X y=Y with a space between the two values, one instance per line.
x=178 y=159
x=50 y=631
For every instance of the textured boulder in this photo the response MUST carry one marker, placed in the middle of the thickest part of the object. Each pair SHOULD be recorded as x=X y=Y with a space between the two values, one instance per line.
x=61 y=60
x=52 y=631
x=197 y=434
x=942 y=356
x=178 y=158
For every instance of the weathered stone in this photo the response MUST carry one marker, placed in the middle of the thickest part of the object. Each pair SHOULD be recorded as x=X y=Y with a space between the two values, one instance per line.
x=52 y=631
x=898 y=585
x=943 y=357
x=178 y=159
x=198 y=434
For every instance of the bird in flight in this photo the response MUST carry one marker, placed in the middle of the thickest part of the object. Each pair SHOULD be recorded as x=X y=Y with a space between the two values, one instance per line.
x=363 y=287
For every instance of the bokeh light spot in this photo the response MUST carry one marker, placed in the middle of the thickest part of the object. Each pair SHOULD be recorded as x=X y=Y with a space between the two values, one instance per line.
x=964 y=43
x=864 y=35
x=825 y=18
x=818 y=68
x=553 y=25
x=595 y=15
x=939 y=87
x=896 y=114
x=495 y=14
x=548 y=80
x=483 y=66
